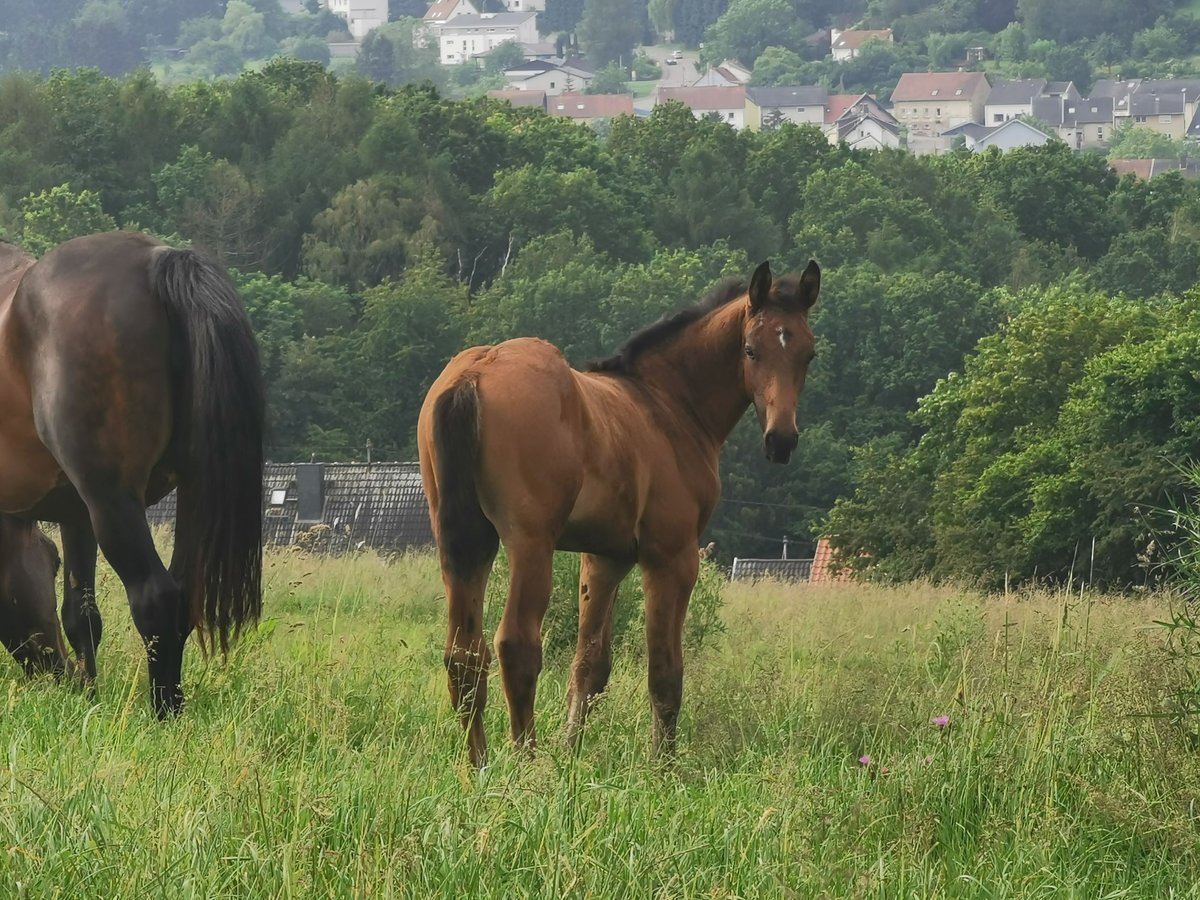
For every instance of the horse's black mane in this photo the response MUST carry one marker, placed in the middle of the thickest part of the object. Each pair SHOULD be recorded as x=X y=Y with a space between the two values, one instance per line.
x=655 y=335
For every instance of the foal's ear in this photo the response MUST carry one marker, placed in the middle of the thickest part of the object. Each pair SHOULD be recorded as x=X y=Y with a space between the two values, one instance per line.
x=760 y=286
x=810 y=285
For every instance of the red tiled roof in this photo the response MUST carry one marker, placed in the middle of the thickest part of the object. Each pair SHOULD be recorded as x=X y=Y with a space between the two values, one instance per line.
x=853 y=40
x=822 y=567
x=440 y=11
x=590 y=106
x=915 y=86
x=838 y=104
x=708 y=97
x=521 y=98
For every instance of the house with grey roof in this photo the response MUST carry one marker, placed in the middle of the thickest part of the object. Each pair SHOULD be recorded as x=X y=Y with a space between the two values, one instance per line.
x=1084 y=123
x=775 y=105
x=864 y=125
x=1006 y=136
x=1011 y=98
x=465 y=37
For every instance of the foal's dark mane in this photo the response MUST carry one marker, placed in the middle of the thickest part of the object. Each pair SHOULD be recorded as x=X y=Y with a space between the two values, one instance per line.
x=668 y=327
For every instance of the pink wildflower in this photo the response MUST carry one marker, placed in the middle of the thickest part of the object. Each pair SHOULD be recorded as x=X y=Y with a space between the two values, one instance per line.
x=865 y=759
x=940 y=721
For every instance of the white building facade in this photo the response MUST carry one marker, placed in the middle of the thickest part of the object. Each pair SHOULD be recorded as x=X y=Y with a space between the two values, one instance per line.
x=465 y=37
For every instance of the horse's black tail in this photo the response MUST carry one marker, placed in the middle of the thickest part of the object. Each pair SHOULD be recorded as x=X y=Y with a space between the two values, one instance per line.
x=218 y=445
x=466 y=539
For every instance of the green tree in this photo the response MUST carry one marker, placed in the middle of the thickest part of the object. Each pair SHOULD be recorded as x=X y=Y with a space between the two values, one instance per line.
x=364 y=237
x=777 y=66
x=59 y=214
x=609 y=80
x=609 y=31
x=411 y=327
x=748 y=27
x=1132 y=142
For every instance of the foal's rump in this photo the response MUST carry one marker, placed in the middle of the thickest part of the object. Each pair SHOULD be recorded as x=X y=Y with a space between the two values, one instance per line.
x=513 y=434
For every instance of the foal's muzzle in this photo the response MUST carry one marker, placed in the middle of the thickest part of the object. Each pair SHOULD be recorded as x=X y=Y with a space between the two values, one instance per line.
x=779 y=446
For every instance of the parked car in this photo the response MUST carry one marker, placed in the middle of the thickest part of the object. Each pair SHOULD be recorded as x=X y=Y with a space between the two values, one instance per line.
x=670 y=60
x=678 y=54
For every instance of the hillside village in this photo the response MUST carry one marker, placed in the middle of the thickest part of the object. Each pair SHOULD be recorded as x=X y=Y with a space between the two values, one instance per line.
x=927 y=112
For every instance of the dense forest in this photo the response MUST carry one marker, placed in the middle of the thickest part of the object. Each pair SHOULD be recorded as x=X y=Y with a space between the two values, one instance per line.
x=375 y=232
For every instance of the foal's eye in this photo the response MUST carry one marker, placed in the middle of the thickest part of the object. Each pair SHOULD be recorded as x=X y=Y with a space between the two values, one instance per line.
x=751 y=353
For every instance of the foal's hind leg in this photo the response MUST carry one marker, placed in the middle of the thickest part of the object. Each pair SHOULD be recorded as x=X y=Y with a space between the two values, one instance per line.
x=668 y=584
x=519 y=637
x=80 y=614
x=599 y=578
x=467 y=656
x=155 y=599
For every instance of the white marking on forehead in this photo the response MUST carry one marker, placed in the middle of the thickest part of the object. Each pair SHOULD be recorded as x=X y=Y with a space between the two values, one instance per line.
x=782 y=336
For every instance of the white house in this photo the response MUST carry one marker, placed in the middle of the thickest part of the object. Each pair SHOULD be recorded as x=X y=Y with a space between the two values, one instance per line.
x=801 y=104
x=1007 y=136
x=864 y=125
x=443 y=11
x=362 y=16
x=552 y=77
x=845 y=45
x=725 y=103
x=464 y=37
x=728 y=72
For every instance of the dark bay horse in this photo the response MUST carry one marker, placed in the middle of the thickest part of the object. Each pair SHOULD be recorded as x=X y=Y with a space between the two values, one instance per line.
x=618 y=463
x=128 y=368
x=29 y=626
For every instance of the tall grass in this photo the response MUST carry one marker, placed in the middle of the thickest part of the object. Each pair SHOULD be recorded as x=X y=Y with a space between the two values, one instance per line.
x=323 y=759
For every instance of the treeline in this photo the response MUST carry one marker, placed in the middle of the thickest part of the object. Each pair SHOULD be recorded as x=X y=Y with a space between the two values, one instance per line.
x=376 y=232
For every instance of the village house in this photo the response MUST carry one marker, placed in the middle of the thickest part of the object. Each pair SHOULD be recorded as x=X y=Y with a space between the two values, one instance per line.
x=553 y=76
x=1011 y=98
x=845 y=45
x=1083 y=122
x=362 y=16
x=728 y=104
x=776 y=105
x=929 y=103
x=727 y=73
x=864 y=125
x=438 y=14
x=1007 y=136
x=443 y=11
x=535 y=99
x=464 y=37
x=1168 y=106
x=590 y=108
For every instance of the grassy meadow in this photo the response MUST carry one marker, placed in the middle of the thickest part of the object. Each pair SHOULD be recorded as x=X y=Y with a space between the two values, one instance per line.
x=323 y=760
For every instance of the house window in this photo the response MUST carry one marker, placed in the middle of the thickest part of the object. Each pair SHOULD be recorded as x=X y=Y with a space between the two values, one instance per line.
x=730 y=117
x=958 y=93
x=925 y=111
x=939 y=110
x=997 y=117
x=933 y=93
x=1164 y=118
x=552 y=84
x=1100 y=132
x=1139 y=118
